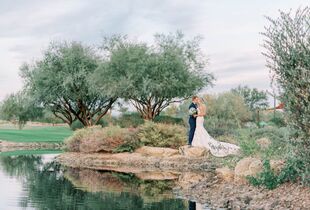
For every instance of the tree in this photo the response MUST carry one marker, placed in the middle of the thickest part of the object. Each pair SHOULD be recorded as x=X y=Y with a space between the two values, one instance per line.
x=287 y=44
x=152 y=77
x=60 y=82
x=19 y=108
x=255 y=100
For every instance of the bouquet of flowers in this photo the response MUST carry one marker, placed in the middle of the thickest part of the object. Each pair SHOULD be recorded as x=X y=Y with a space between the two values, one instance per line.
x=192 y=111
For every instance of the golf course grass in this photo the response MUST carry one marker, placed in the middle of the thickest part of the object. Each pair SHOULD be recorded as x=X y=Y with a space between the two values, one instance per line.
x=30 y=152
x=35 y=134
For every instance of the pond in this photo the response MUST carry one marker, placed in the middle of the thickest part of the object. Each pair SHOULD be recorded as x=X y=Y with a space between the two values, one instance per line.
x=32 y=180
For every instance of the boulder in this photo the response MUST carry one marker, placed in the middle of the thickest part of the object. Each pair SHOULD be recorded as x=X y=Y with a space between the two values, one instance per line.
x=187 y=179
x=225 y=173
x=247 y=167
x=193 y=151
x=157 y=151
x=263 y=142
x=256 y=167
x=156 y=175
x=277 y=165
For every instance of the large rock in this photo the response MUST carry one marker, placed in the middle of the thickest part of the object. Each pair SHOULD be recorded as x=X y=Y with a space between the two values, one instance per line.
x=157 y=151
x=225 y=173
x=263 y=142
x=277 y=165
x=187 y=179
x=256 y=167
x=247 y=167
x=157 y=175
x=193 y=151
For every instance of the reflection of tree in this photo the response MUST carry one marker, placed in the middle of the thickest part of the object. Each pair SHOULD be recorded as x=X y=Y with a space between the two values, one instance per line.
x=95 y=181
x=20 y=166
x=48 y=189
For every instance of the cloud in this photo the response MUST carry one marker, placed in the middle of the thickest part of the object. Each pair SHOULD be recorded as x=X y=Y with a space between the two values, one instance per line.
x=230 y=28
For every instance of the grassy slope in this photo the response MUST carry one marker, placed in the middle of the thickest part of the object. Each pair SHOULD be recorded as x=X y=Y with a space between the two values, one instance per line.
x=35 y=134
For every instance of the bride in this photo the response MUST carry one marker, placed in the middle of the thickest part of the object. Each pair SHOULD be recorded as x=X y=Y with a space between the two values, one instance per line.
x=203 y=139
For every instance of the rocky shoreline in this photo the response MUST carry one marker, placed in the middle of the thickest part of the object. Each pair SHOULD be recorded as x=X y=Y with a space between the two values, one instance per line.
x=6 y=146
x=196 y=177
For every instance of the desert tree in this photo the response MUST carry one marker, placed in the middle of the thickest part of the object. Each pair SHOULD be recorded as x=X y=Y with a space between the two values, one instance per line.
x=152 y=76
x=60 y=82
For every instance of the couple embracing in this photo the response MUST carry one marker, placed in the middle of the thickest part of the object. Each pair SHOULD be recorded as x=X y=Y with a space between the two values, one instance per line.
x=198 y=135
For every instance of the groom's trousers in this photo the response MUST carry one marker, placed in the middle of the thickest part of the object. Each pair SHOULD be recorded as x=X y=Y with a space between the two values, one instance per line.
x=192 y=128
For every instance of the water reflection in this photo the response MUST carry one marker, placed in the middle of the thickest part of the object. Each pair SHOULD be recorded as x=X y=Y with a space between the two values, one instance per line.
x=46 y=185
x=197 y=206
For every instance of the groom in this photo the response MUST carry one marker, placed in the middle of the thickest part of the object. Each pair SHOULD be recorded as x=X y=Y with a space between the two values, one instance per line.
x=192 y=120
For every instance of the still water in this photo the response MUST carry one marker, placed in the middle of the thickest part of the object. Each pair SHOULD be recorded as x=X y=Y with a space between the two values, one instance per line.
x=35 y=181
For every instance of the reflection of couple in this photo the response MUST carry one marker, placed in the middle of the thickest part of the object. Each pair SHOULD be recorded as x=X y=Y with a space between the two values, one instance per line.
x=196 y=206
x=198 y=135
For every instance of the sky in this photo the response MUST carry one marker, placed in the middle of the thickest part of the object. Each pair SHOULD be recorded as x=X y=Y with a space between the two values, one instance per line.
x=230 y=28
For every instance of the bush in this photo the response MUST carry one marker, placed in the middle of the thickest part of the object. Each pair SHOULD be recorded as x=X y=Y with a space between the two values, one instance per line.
x=168 y=120
x=76 y=125
x=279 y=138
x=103 y=123
x=129 y=120
x=162 y=135
x=247 y=143
x=287 y=50
x=271 y=180
x=219 y=126
x=97 y=139
x=266 y=178
x=225 y=113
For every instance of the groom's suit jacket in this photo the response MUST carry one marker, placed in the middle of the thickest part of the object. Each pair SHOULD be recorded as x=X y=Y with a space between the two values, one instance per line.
x=191 y=118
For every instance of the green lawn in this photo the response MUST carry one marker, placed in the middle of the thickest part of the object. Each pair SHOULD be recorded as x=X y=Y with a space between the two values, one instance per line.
x=35 y=134
x=30 y=152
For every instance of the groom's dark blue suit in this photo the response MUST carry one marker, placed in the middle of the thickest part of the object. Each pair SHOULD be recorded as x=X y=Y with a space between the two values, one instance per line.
x=192 y=125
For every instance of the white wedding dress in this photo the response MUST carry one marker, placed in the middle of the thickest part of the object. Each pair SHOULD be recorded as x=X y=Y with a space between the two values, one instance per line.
x=217 y=148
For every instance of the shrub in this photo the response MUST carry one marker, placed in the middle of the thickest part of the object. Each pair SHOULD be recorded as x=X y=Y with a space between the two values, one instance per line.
x=220 y=126
x=247 y=143
x=97 y=139
x=266 y=178
x=76 y=125
x=225 y=113
x=103 y=123
x=271 y=180
x=279 y=138
x=168 y=120
x=129 y=120
x=162 y=135
x=287 y=51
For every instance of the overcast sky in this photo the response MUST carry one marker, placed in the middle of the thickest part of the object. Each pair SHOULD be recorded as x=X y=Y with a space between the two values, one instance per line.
x=230 y=29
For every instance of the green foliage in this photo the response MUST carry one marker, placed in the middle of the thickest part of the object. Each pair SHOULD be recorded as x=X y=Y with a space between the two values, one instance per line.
x=225 y=112
x=128 y=120
x=168 y=120
x=60 y=81
x=253 y=98
x=76 y=125
x=152 y=76
x=287 y=50
x=108 y=139
x=48 y=117
x=19 y=108
x=131 y=143
x=267 y=178
x=278 y=121
x=162 y=135
x=247 y=144
x=271 y=180
x=278 y=137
